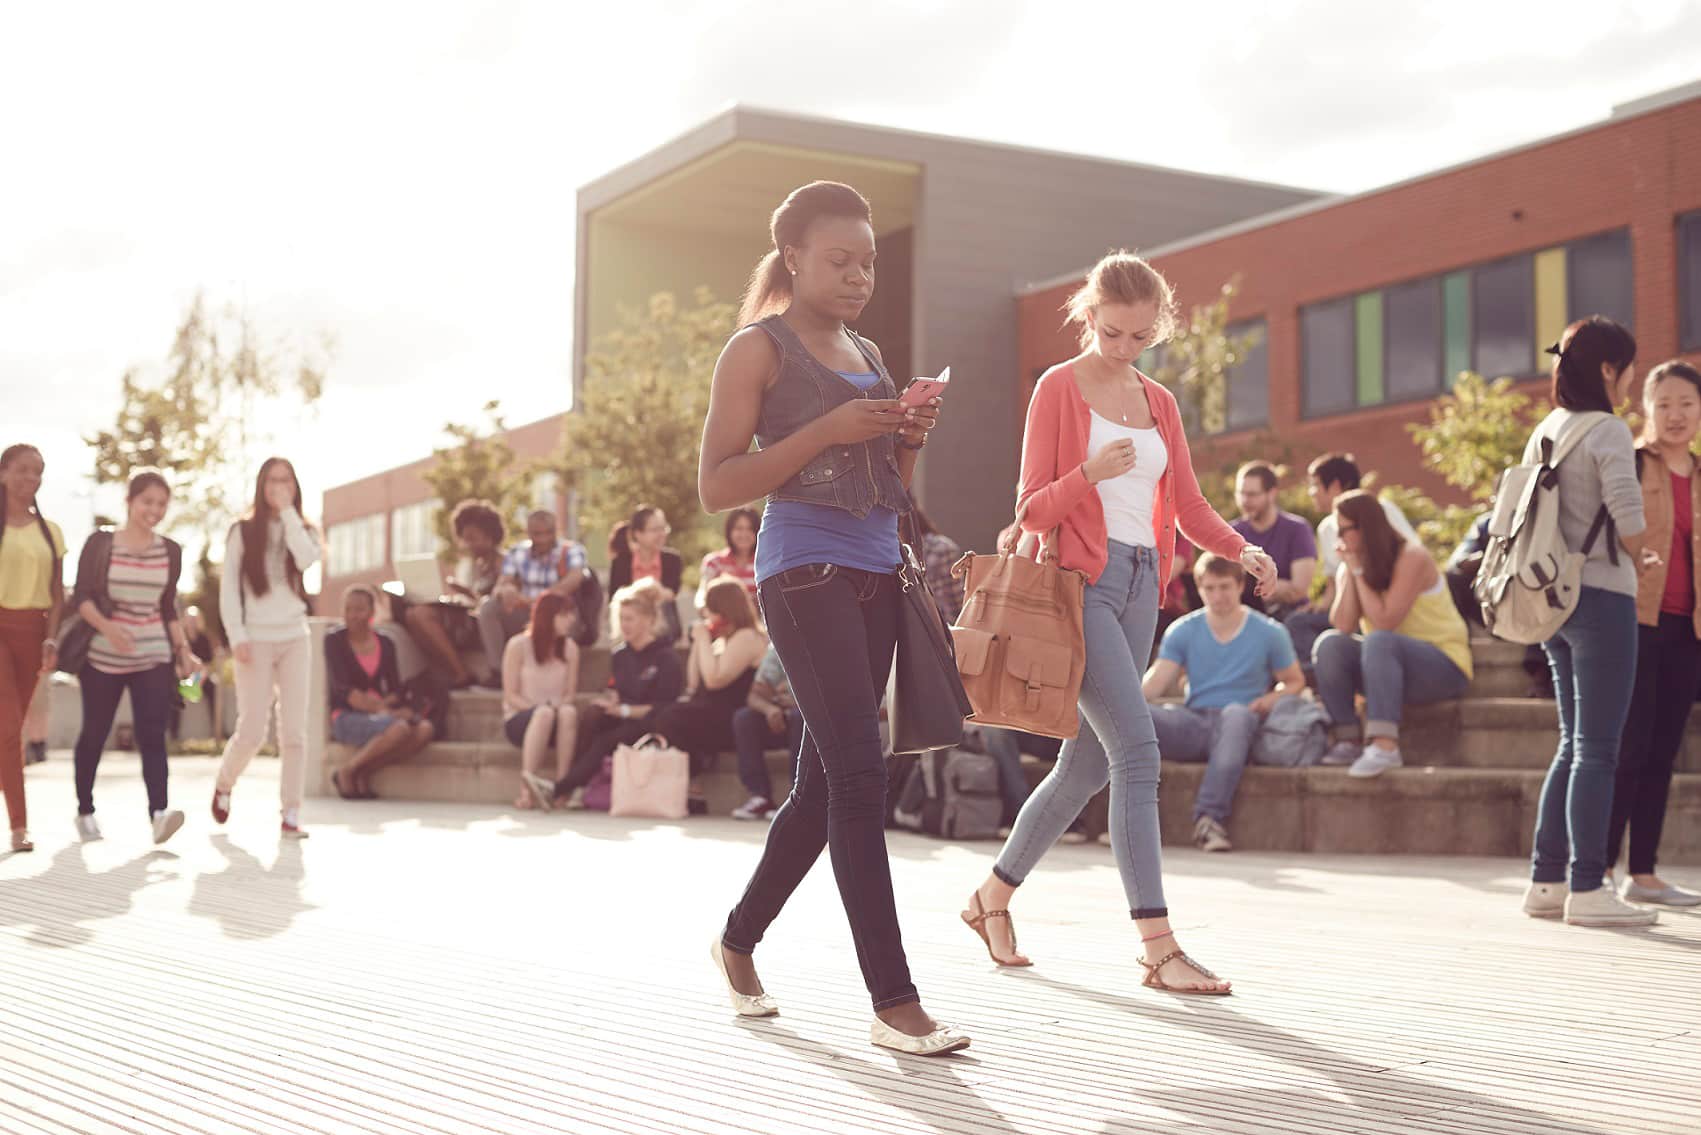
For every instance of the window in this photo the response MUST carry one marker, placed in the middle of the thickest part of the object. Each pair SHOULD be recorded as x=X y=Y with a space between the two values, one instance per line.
x=1413 y=338
x=1689 y=280
x=1598 y=274
x=1503 y=315
x=544 y=497
x=1248 y=397
x=411 y=533
x=1327 y=353
x=356 y=545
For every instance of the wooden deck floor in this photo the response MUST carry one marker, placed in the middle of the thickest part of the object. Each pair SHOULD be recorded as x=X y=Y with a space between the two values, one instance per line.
x=443 y=970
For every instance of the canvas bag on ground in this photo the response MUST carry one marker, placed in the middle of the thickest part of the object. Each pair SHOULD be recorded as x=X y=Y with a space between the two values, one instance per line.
x=651 y=780
x=1530 y=579
x=1020 y=648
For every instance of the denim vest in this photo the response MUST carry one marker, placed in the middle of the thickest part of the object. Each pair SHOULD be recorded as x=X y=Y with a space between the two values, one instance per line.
x=853 y=477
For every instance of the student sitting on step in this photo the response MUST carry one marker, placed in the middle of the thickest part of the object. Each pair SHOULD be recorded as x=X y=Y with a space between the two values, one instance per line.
x=726 y=646
x=644 y=675
x=1396 y=637
x=540 y=674
x=367 y=713
x=769 y=718
x=449 y=626
x=1230 y=656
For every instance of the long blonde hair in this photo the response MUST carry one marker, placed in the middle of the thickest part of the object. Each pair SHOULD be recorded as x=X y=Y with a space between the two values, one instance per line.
x=1123 y=277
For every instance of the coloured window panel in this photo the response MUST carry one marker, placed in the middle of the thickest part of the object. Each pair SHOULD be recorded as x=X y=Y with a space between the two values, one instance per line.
x=1456 y=307
x=1689 y=280
x=1367 y=314
x=1550 y=295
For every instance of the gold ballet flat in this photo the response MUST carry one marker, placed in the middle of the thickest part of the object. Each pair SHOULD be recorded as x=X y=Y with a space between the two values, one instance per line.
x=743 y=1004
x=936 y=1043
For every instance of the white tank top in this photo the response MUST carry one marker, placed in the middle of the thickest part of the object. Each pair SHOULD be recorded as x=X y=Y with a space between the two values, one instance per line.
x=1128 y=499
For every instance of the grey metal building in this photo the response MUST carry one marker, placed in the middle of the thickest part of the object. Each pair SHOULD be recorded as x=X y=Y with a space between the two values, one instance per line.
x=962 y=226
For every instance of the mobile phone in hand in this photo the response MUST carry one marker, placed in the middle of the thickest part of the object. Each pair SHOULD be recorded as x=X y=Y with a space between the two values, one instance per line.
x=920 y=390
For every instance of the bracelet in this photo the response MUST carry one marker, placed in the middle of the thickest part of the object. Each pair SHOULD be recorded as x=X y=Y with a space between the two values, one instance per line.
x=902 y=444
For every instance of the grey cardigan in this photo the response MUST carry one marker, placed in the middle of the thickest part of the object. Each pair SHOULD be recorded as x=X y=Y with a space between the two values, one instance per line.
x=1601 y=470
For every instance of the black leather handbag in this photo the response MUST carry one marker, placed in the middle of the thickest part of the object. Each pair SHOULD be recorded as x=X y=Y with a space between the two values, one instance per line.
x=925 y=702
x=75 y=633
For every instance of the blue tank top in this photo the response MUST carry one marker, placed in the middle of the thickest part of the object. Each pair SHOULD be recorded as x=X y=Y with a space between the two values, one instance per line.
x=795 y=533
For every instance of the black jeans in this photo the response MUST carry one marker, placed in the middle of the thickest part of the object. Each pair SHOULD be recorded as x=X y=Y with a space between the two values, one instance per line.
x=599 y=735
x=754 y=738
x=835 y=629
x=1667 y=658
x=150 y=706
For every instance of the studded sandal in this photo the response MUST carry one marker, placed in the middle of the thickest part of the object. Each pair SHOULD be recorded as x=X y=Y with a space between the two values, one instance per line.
x=1153 y=981
x=975 y=919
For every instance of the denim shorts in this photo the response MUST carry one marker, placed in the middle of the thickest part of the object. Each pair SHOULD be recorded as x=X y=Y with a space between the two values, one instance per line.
x=356 y=729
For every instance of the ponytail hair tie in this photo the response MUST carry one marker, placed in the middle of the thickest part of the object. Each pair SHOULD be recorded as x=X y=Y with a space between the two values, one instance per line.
x=1556 y=350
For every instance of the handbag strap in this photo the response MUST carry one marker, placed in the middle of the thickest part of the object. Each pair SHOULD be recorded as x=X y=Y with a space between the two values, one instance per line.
x=1012 y=536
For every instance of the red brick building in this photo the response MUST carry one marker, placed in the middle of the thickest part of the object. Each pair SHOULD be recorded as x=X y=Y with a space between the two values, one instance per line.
x=1369 y=304
x=372 y=522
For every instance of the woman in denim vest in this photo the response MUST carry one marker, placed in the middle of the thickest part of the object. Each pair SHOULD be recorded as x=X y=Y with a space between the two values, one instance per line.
x=834 y=455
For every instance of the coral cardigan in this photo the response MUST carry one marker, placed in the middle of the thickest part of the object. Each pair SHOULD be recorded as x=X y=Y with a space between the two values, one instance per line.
x=1057 y=494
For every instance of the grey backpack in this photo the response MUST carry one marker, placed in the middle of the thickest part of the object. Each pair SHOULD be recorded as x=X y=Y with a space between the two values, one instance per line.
x=951 y=793
x=1294 y=734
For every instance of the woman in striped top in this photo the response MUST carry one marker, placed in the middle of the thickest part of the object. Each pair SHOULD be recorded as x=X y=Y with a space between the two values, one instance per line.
x=127 y=591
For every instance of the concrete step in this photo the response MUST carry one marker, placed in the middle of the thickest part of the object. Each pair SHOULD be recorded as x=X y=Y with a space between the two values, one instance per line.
x=1503 y=733
x=488 y=772
x=1410 y=811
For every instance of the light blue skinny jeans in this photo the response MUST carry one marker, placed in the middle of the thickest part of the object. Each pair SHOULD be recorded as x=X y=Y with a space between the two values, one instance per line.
x=1117 y=744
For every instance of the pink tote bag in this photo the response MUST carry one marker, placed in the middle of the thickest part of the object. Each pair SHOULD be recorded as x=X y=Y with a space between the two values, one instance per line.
x=651 y=780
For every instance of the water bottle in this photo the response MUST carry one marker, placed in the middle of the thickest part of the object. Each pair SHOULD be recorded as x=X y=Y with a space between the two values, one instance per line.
x=190 y=688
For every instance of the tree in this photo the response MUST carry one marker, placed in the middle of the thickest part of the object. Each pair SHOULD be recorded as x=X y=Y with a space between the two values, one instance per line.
x=635 y=435
x=479 y=465
x=1197 y=361
x=198 y=423
x=1474 y=432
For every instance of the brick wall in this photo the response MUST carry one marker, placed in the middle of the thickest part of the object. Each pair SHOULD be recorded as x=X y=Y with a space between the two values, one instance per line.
x=1641 y=173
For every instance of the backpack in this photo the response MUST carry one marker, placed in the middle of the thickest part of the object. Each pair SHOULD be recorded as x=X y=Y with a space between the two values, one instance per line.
x=1530 y=580
x=951 y=793
x=1294 y=734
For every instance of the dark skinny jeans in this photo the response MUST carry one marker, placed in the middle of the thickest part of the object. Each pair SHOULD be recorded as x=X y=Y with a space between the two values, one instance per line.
x=835 y=629
x=753 y=738
x=1668 y=669
x=1593 y=657
x=150 y=707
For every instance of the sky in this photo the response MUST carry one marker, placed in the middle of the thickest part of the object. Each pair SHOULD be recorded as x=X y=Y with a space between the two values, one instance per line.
x=400 y=178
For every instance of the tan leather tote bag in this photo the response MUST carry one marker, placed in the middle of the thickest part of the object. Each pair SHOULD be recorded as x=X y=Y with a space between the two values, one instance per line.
x=1020 y=648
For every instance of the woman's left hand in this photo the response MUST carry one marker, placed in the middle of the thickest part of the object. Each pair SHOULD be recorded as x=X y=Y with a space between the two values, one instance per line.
x=917 y=421
x=1260 y=567
x=49 y=656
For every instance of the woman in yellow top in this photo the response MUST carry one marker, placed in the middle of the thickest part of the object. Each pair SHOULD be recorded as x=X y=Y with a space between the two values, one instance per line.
x=31 y=597
x=1396 y=637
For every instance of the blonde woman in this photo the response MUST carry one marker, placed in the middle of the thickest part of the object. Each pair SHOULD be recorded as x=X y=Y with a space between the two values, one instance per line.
x=1105 y=461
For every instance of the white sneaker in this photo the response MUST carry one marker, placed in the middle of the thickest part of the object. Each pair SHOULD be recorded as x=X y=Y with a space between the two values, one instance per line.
x=166 y=824
x=1210 y=835
x=1668 y=895
x=1546 y=900
x=1600 y=907
x=755 y=808
x=1375 y=761
x=87 y=829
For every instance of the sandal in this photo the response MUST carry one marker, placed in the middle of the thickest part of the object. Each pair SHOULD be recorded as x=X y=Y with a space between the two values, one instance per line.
x=1153 y=981
x=977 y=922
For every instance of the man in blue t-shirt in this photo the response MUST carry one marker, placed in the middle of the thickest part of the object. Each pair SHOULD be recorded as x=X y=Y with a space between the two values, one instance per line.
x=1238 y=664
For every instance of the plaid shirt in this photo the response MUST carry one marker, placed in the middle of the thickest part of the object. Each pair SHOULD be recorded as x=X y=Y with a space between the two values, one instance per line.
x=938 y=553
x=537 y=575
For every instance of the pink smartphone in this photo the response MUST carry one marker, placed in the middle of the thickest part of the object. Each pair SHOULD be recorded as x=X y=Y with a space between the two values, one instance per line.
x=921 y=389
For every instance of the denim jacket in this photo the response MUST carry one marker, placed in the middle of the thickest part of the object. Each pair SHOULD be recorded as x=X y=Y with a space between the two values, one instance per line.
x=853 y=477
